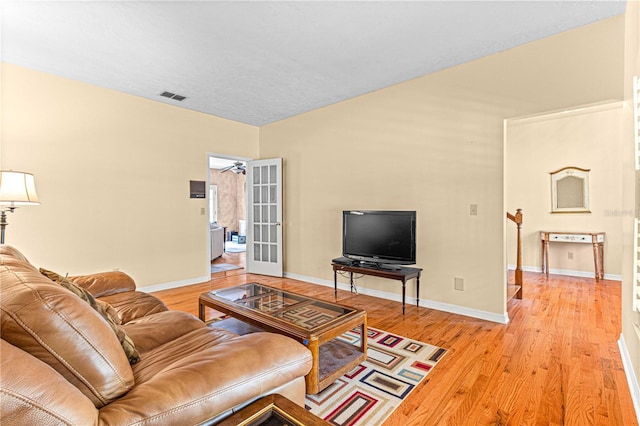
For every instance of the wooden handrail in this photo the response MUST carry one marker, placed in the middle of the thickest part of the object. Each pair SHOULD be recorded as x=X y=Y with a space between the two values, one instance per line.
x=517 y=219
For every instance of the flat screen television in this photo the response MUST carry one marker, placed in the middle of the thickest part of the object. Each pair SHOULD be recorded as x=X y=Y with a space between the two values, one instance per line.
x=379 y=237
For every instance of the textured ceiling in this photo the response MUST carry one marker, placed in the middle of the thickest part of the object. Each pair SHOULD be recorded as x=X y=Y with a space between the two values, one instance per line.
x=260 y=62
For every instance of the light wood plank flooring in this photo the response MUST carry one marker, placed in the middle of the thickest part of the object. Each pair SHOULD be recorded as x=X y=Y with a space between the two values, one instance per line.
x=556 y=363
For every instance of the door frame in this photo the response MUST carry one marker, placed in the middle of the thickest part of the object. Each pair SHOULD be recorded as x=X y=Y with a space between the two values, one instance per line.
x=208 y=184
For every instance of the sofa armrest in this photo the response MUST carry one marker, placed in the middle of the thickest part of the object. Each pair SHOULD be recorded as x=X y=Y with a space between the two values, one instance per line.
x=105 y=283
x=117 y=289
x=131 y=305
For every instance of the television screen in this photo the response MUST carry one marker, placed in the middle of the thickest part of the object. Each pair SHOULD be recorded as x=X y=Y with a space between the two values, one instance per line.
x=385 y=237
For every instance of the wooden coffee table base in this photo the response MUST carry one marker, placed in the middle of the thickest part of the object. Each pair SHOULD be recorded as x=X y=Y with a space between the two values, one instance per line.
x=273 y=409
x=331 y=358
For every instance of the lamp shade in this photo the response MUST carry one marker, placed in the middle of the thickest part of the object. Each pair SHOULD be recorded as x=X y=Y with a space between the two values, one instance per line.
x=17 y=188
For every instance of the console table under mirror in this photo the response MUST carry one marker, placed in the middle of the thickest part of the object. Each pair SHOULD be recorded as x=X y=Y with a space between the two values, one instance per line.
x=596 y=239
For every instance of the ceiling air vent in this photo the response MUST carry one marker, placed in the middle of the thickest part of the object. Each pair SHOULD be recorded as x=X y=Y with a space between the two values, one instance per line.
x=173 y=96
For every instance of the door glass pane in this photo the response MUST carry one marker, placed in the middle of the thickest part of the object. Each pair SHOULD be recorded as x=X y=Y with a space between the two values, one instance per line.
x=273 y=176
x=265 y=197
x=273 y=217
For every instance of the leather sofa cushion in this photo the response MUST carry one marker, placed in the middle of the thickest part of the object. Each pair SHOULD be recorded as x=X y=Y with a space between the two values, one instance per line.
x=155 y=330
x=205 y=373
x=35 y=394
x=50 y=323
x=103 y=308
x=13 y=254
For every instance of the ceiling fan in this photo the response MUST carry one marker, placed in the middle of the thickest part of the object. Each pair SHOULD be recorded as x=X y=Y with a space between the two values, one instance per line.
x=237 y=168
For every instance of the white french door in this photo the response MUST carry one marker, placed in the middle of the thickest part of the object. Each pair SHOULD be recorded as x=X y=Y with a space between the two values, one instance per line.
x=264 y=217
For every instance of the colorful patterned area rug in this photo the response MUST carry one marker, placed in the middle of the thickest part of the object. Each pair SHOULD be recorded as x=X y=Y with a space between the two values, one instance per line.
x=368 y=394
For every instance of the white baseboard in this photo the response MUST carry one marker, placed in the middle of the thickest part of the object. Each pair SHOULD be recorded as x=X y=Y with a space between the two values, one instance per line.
x=175 y=284
x=567 y=272
x=431 y=304
x=468 y=312
x=632 y=382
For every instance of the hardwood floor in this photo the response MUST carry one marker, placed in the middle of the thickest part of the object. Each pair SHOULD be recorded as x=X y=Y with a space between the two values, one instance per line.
x=556 y=363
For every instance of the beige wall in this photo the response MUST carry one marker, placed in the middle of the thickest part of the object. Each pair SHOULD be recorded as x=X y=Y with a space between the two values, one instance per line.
x=435 y=145
x=589 y=138
x=112 y=172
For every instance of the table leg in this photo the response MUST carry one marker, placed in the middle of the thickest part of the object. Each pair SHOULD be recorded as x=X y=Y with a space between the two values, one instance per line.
x=598 y=259
x=404 y=287
x=596 y=265
x=601 y=252
x=545 y=257
x=351 y=281
x=364 y=333
x=312 y=378
x=201 y=311
x=542 y=255
x=335 y=283
x=418 y=291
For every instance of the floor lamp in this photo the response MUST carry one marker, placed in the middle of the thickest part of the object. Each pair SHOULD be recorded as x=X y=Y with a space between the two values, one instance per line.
x=16 y=189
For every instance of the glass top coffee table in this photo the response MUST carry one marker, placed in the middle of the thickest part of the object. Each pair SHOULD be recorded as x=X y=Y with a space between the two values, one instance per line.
x=313 y=322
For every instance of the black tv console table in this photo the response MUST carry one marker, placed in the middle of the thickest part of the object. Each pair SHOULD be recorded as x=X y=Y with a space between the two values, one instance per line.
x=401 y=274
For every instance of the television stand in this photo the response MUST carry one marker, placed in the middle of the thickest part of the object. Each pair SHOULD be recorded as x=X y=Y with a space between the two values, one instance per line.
x=388 y=267
x=402 y=274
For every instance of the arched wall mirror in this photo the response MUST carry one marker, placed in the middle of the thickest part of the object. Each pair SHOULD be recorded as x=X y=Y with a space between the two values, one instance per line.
x=570 y=190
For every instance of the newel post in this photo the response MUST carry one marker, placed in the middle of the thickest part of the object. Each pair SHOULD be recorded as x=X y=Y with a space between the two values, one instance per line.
x=517 y=219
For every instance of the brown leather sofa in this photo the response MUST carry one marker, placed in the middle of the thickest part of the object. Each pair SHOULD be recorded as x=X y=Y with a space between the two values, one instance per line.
x=62 y=363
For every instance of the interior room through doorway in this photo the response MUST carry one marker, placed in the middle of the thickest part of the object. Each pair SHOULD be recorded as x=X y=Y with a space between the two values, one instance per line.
x=227 y=211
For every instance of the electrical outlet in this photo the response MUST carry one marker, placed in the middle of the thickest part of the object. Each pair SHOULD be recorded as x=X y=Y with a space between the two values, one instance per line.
x=473 y=209
x=458 y=284
x=202 y=212
x=570 y=255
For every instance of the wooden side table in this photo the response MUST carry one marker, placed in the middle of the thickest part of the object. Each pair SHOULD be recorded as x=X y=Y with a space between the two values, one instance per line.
x=271 y=410
x=596 y=239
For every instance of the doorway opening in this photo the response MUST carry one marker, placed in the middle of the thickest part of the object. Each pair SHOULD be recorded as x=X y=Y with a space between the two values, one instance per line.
x=227 y=207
